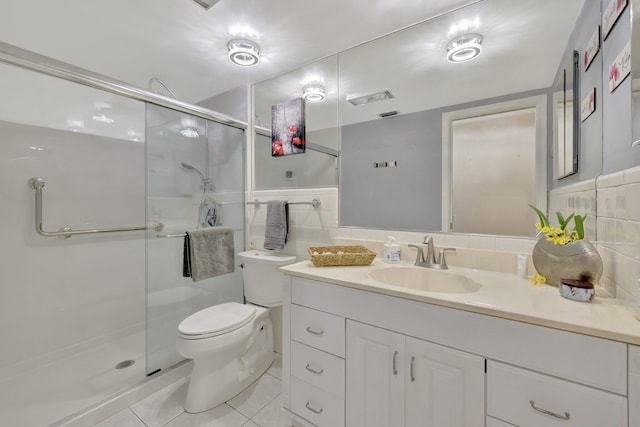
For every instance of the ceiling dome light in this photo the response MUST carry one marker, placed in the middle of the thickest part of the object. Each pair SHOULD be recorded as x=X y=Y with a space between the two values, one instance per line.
x=464 y=48
x=244 y=52
x=313 y=92
x=101 y=118
x=189 y=133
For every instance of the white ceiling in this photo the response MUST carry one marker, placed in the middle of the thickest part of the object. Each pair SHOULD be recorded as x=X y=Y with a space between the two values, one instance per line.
x=184 y=45
x=524 y=42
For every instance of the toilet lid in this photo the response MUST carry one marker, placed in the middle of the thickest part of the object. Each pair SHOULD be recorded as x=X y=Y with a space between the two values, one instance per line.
x=218 y=319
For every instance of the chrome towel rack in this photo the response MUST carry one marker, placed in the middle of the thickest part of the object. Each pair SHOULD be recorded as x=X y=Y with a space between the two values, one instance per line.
x=174 y=235
x=65 y=232
x=315 y=203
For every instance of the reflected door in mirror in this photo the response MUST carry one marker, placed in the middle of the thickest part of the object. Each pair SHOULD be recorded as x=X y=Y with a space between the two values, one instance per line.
x=493 y=173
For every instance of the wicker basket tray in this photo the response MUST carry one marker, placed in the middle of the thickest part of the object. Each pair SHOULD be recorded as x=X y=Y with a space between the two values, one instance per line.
x=326 y=256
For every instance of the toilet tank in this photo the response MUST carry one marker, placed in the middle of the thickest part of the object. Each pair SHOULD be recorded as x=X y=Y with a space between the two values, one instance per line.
x=262 y=280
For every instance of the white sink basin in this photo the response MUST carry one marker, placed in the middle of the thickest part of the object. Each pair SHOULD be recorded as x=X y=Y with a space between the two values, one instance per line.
x=425 y=279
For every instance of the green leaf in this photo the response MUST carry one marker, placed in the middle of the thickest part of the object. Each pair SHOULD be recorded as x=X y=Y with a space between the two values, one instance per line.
x=544 y=221
x=568 y=220
x=561 y=221
x=579 y=221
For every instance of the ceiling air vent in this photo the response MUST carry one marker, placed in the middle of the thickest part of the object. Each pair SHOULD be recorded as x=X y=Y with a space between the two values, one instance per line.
x=368 y=99
x=207 y=4
x=389 y=114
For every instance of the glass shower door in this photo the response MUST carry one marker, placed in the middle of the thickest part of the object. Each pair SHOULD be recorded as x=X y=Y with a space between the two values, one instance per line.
x=195 y=178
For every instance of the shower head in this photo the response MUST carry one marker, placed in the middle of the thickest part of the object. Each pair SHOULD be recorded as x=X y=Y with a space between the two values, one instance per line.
x=189 y=166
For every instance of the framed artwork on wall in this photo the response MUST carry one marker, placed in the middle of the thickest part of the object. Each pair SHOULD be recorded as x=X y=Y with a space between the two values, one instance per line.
x=611 y=14
x=620 y=68
x=590 y=52
x=288 y=128
x=588 y=105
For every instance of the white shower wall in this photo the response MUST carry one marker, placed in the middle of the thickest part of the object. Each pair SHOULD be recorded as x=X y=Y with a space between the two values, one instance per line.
x=59 y=297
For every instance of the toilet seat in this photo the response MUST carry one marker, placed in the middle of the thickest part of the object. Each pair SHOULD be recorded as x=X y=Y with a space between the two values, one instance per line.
x=216 y=320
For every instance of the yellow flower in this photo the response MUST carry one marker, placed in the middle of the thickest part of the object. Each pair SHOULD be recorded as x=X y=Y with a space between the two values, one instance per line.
x=537 y=279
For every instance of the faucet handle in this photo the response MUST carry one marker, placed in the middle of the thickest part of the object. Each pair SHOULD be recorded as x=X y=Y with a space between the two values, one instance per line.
x=441 y=259
x=420 y=255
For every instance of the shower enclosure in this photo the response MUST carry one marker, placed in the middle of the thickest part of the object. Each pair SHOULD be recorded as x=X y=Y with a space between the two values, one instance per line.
x=89 y=317
x=194 y=179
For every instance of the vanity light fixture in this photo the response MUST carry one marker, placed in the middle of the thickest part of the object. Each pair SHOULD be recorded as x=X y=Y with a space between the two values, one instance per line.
x=313 y=92
x=368 y=99
x=464 y=48
x=244 y=52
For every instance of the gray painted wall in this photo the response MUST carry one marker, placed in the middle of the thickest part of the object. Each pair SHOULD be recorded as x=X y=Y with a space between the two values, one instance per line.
x=309 y=169
x=590 y=146
x=409 y=196
x=233 y=103
x=617 y=151
x=405 y=197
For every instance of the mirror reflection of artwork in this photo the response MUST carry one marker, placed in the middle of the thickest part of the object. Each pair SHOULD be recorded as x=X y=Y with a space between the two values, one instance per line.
x=287 y=128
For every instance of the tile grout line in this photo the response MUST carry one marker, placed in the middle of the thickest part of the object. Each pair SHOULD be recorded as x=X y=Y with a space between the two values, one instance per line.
x=136 y=415
x=275 y=397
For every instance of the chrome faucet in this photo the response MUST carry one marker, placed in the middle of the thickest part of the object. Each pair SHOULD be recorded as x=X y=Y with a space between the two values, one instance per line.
x=428 y=260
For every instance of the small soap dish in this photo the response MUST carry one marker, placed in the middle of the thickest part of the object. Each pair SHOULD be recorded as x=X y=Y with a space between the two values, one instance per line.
x=577 y=290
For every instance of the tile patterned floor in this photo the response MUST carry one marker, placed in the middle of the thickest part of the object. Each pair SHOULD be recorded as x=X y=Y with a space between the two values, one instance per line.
x=257 y=406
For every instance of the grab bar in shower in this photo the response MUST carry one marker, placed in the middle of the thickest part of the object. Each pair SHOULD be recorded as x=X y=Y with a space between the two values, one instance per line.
x=315 y=203
x=174 y=235
x=38 y=184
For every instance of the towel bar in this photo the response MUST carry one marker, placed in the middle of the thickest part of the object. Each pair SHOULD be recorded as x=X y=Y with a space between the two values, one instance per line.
x=315 y=203
x=174 y=235
x=38 y=184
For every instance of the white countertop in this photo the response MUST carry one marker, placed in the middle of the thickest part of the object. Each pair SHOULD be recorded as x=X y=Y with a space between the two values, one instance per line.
x=501 y=295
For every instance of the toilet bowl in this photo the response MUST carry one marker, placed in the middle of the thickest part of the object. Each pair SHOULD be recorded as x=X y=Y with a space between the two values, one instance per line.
x=231 y=344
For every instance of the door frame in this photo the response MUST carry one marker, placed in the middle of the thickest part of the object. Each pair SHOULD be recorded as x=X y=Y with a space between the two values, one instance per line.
x=539 y=102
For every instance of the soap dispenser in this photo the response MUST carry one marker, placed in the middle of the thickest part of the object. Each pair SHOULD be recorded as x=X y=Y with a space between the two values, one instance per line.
x=391 y=251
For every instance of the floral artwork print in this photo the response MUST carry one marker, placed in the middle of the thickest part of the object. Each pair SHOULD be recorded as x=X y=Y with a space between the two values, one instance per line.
x=611 y=14
x=620 y=68
x=288 y=128
x=593 y=46
x=588 y=105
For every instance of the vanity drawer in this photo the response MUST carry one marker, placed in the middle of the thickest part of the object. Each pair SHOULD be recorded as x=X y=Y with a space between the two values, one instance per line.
x=315 y=405
x=318 y=329
x=290 y=419
x=634 y=385
x=316 y=367
x=529 y=399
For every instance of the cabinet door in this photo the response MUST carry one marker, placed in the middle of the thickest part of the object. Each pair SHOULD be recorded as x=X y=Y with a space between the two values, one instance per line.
x=634 y=385
x=375 y=377
x=445 y=387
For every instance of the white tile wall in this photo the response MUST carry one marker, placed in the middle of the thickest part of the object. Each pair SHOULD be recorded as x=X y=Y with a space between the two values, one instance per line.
x=618 y=204
x=61 y=298
x=578 y=198
x=472 y=251
x=308 y=226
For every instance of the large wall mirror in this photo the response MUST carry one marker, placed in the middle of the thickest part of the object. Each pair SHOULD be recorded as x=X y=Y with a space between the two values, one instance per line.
x=566 y=98
x=412 y=125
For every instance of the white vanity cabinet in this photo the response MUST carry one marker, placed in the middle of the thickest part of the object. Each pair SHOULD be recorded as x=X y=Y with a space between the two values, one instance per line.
x=358 y=358
x=634 y=386
x=395 y=380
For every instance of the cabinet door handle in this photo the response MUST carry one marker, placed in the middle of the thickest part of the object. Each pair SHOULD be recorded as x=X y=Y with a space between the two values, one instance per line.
x=310 y=369
x=314 y=332
x=411 y=374
x=312 y=409
x=566 y=415
x=395 y=362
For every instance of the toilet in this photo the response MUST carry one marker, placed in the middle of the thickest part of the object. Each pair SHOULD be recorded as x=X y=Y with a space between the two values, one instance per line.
x=231 y=344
